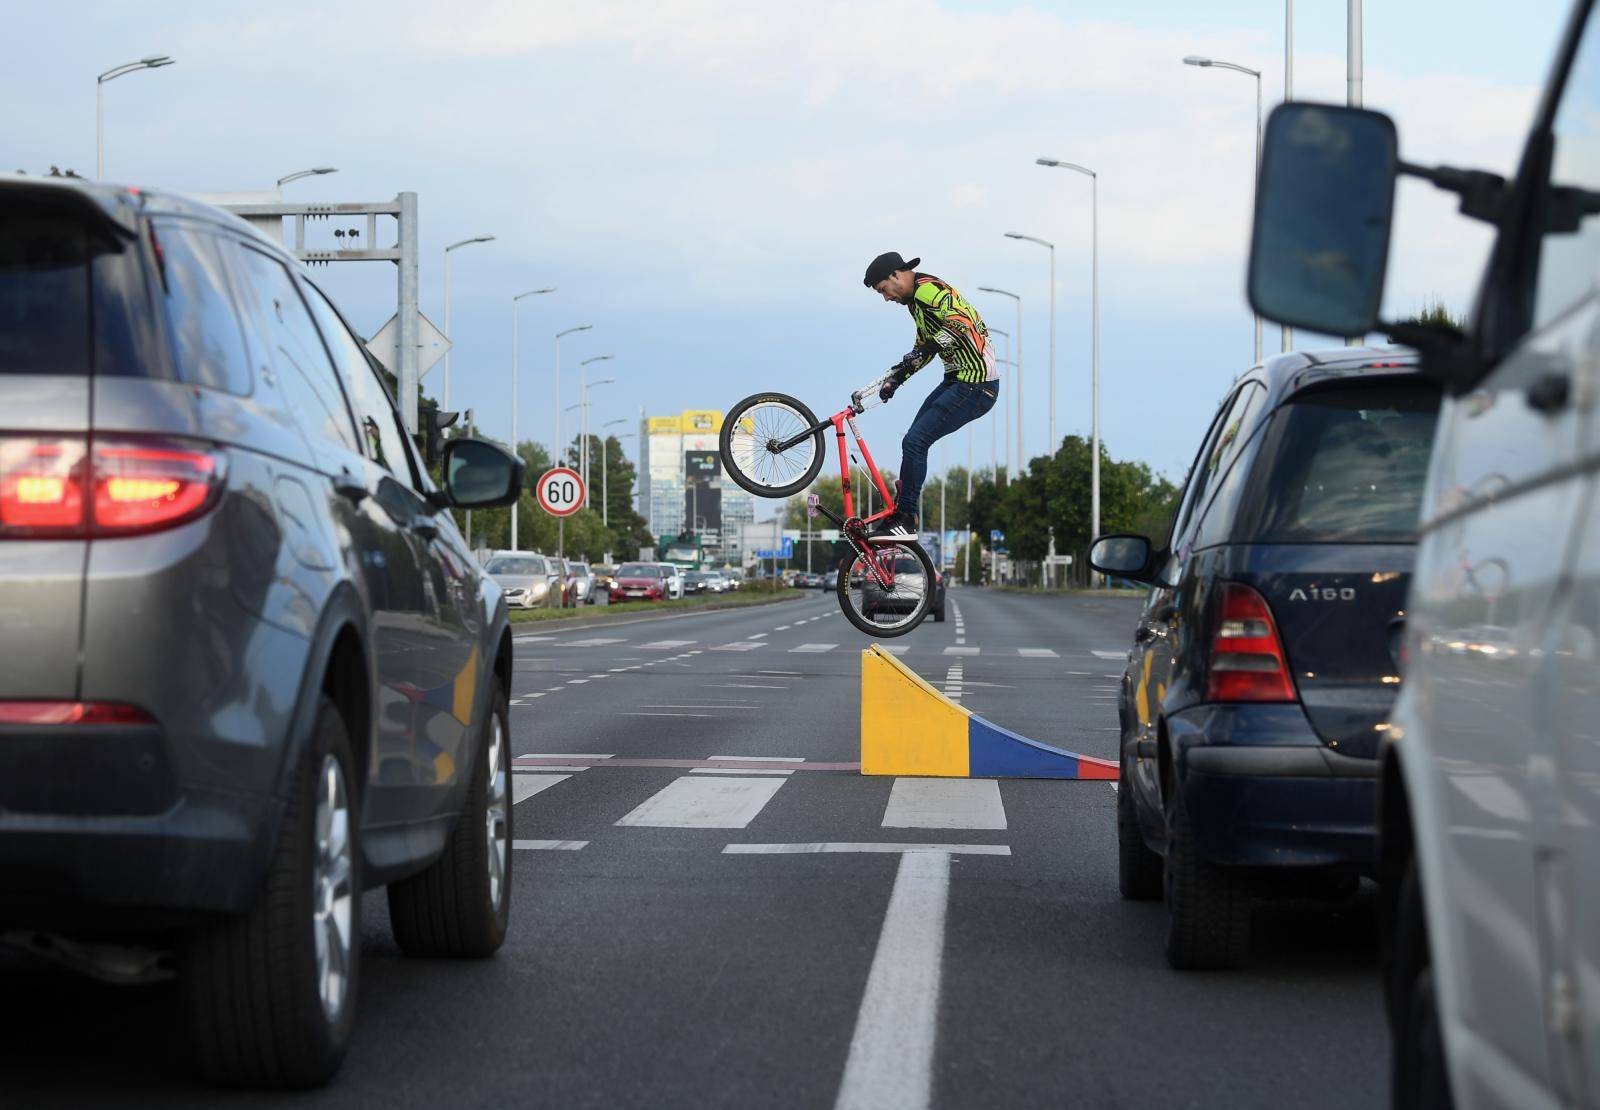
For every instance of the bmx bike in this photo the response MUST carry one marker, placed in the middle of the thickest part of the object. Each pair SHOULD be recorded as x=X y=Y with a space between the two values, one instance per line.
x=773 y=446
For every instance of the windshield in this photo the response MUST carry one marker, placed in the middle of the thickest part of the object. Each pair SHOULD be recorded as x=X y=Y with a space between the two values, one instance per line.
x=577 y=568
x=638 y=570
x=516 y=566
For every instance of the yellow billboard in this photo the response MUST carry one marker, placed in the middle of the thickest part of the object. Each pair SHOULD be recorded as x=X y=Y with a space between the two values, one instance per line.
x=701 y=420
x=664 y=425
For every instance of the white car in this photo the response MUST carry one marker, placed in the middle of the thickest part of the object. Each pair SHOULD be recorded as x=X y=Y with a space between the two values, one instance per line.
x=674 y=580
x=1489 y=796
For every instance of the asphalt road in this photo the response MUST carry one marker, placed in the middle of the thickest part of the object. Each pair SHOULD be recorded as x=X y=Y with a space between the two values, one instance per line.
x=648 y=965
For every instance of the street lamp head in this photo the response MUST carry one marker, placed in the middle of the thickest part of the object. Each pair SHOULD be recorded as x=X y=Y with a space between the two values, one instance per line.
x=532 y=293
x=324 y=169
x=469 y=242
x=1196 y=60
x=603 y=381
x=1046 y=162
x=569 y=331
x=596 y=358
x=1015 y=235
x=154 y=60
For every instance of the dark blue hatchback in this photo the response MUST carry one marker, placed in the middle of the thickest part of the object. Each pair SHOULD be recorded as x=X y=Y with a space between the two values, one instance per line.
x=1263 y=666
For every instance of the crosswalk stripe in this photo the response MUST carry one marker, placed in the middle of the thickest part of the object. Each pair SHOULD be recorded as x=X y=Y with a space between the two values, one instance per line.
x=711 y=802
x=595 y=641
x=550 y=845
x=1109 y=654
x=740 y=645
x=895 y=649
x=1038 y=653
x=525 y=786
x=961 y=650
x=664 y=645
x=944 y=804
x=815 y=649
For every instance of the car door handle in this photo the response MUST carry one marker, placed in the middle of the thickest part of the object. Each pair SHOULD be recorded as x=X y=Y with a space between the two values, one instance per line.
x=347 y=485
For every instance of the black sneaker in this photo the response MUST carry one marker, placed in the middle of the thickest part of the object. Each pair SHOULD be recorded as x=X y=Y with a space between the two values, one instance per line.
x=899 y=526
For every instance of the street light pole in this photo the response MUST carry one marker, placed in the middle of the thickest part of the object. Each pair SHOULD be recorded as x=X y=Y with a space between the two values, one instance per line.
x=465 y=242
x=1053 y=445
x=1005 y=413
x=583 y=433
x=1017 y=366
x=1212 y=63
x=530 y=293
x=1094 y=392
x=152 y=61
x=605 y=473
x=561 y=521
x=298 y=174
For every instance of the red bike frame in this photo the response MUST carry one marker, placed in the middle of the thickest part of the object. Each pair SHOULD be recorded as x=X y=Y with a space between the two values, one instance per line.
x=839 y=420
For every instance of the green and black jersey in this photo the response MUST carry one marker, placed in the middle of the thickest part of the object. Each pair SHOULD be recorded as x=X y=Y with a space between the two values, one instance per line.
x=949 y=327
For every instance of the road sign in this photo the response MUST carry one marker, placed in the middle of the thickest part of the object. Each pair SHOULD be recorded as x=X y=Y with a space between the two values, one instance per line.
x=560 y=491
x=431 y=344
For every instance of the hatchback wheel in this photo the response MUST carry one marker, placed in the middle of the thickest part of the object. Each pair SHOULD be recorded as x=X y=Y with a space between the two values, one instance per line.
x=270 y=995
x=1208 y=908
x=461 y=905
x=1138 y=868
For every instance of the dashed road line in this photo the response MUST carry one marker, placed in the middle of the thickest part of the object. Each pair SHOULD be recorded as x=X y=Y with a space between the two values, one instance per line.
x=814 y=649
x=944 y=804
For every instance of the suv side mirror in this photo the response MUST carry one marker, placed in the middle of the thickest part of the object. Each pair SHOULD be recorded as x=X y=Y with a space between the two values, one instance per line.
x=1324 y=205
x=480 y=475
x=1123 y=556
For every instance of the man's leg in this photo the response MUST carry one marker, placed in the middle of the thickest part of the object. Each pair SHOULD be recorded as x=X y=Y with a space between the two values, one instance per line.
x=922 y=435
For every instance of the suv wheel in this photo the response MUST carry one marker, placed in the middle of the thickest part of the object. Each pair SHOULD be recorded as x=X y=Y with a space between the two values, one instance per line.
x=1208 y=908
x=1417 y=1072
x=461 y=905
x=270 y=995
x=1138 y=868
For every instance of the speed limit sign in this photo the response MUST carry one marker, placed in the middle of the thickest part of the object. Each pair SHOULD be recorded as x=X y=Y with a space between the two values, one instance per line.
x=560 y=491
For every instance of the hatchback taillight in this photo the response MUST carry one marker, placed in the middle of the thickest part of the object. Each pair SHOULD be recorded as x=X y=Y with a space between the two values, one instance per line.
x=59 y=487
x=1247 y=657
x=72 y=713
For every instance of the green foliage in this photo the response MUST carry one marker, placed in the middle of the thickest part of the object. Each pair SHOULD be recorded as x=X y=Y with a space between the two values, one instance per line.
x=1435 y=313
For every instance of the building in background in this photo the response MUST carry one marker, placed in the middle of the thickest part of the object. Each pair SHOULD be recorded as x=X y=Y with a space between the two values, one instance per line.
x=682 y=489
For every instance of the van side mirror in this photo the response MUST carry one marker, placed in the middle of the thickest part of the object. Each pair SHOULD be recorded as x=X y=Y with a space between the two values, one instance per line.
x=481 y=475
x=1324 y=206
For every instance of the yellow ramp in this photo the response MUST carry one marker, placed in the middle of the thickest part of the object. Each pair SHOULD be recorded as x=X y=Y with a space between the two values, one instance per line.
x=908 y=727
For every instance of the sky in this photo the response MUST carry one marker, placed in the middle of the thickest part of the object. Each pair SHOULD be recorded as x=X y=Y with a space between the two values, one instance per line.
x=704 y=181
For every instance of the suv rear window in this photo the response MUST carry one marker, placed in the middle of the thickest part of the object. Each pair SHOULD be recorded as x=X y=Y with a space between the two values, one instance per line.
x=46 y=287
x=1344 y=466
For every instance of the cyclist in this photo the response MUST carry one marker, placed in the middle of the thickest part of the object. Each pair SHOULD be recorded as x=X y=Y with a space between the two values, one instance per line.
x=951 y=329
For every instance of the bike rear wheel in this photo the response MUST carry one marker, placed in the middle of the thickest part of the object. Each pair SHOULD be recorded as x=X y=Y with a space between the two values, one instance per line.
x=750 y=436
x=887 y=612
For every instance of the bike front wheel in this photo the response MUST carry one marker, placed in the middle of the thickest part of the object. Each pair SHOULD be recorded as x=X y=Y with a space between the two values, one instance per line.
x=892 y=601
x=752 y=455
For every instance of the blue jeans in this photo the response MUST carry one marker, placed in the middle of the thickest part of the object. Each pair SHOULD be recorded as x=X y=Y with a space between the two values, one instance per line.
x=951 y=405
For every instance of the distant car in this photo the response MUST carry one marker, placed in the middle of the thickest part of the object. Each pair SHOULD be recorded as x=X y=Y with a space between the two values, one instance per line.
x=936 y=608
x=830 y=581
x=251 y=669
x=562 y=585
x=908 y=573
x=696 y=582
x=602 y=579
x=1264 y=667
x=673 y=575
x=638 y=582
x=718 y=582
x=582 y=580
x=524 y=578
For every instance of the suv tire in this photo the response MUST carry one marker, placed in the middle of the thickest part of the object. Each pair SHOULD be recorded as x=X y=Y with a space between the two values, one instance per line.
x=253 y=992
x=461 y=904
x=1208 y=908
x=1417 y=1073
x=1138 y=868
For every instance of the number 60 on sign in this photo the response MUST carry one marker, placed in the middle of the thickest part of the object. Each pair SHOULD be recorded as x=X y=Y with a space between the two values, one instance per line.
x=560 y=491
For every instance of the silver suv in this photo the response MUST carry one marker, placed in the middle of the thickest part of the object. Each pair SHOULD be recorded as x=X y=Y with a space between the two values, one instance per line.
x=248 y=666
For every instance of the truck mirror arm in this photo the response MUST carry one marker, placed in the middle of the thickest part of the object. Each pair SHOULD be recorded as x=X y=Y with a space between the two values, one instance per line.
x=1482 y=194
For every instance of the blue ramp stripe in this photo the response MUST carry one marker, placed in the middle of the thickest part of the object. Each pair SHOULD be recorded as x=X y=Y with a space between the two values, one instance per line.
x=995 y=752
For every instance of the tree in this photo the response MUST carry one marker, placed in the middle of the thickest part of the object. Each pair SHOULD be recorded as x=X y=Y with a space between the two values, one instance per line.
x=1434 y=314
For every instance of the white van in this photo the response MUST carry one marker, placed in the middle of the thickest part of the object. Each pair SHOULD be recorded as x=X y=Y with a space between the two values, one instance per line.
x=1489 y=806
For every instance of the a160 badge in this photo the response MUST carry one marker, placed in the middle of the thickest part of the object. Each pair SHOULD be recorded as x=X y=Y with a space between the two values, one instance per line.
x=560 y=491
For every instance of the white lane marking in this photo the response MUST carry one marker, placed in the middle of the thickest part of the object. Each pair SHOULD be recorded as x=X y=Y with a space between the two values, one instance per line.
x=663 y=714
x=762 y=758
x=555 y=689
x=531 y=639
x=741 y=686
x=540 y=694
x=736 y=771
x=1038 y=653
x=740 y=645
x=576 y=681
x=961 y=639
x=595 y=641
x=944 y=804
x=891 y=1052
x=742 y=707
x=1109 y=654
x=1113 y=787
x=780 y=672
x=815 y=649
x=664 y=645
x=1080 y=674
x=783 y=628
x=565 y=755
x=895 y=649
x=705 y=803
x=885 y=847
x=757 y=635
x=961 y=650
x=524 y=786
x=550 y=845
x=595 y=676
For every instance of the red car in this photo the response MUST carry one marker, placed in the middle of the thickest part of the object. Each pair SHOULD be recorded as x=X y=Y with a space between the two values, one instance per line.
x=638 y=582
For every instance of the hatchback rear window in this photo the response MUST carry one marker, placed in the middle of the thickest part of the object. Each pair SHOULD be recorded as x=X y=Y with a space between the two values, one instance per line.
x=517 y=566
x=1344 y=466
x=638 y=570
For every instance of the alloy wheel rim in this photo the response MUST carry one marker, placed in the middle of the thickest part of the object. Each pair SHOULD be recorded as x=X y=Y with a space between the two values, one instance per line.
x=495 y=813
x=333 y=889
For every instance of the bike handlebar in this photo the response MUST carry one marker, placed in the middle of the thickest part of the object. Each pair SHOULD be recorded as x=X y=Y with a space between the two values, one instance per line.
x=867 y=396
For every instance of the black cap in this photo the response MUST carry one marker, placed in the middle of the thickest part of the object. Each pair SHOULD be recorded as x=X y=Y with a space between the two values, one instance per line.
x=886 y=264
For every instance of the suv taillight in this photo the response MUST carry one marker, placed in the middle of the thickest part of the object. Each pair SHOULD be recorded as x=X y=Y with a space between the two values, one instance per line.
x=60 y=488
x=1247 y=658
